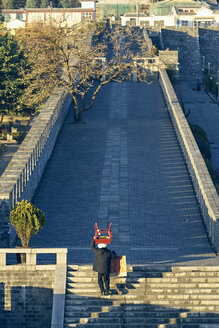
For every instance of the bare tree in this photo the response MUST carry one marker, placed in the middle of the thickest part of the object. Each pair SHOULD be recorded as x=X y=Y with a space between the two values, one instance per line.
x=81 y=58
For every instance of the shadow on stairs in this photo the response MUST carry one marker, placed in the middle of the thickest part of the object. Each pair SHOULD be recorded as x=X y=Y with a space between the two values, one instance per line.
x=161 y=297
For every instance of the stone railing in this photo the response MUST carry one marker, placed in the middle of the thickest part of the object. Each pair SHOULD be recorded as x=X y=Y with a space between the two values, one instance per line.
x=147 y=39
x=205 y=190
x=21 y=177
x=31 y=254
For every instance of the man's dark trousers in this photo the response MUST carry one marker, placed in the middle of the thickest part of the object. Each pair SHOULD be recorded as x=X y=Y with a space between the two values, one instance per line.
x=103 y=277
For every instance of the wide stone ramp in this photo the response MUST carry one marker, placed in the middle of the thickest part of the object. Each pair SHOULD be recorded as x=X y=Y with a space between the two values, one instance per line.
x=123 y=165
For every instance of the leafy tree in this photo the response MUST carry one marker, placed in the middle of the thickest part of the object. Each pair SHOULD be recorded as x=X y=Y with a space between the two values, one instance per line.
x=83 y=59
x=10 y=4
x=27 y=220
x=64 y=3
x=32 y=4
x=12 y=62
x=44 y=4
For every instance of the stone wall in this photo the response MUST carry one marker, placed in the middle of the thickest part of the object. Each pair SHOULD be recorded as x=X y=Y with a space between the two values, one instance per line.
x=209 y=47
x=186 y=42
x=203 y=185
x=26 y=296
x=22 y=176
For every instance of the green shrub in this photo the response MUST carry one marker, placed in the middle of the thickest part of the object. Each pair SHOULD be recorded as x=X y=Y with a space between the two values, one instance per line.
x=210 y=83
x=27 y=220
x=17 y=135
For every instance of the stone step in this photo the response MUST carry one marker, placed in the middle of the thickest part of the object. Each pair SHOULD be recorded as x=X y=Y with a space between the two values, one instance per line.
x=109 y=325
x=199 y=321
x=122 y=321
x=148 y=286
x=195 y=274
x=145 y=268
x=85 y=279
x=183 y=280
x=182 y=300
x=94 y=285
x=90 y=274
x=128 y=314
x=145 y=295
x=206 y=285
x=130 y=268
x=204 y=325
x=195 y=269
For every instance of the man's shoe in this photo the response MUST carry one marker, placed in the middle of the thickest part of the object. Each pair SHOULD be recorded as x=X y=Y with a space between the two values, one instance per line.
x=107 y=292
x=102 y=292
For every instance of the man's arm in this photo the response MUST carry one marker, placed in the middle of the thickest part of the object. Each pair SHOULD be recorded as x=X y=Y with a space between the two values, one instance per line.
x=93 y=244
x=94 y=249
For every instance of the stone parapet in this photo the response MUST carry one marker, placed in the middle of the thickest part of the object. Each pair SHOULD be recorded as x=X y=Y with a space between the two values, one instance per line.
x=205 y=191
x=21 y=177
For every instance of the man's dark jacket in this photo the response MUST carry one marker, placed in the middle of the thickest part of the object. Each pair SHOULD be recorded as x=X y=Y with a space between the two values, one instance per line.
x=102 y=259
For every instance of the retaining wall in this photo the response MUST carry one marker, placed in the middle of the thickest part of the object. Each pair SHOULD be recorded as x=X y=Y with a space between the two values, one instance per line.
x=205 y=190
x=31 y=295
x=22 y=176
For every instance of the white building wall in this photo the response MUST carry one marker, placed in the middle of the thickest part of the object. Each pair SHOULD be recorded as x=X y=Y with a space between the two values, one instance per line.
x=35 y=17
x=15 y=23
x=72 y=18
x=88 y=5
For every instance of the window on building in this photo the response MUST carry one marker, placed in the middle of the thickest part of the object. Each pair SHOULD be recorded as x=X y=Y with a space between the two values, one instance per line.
x=184 y=23
x=6 y=18
x=19 y=16
x=87 y=15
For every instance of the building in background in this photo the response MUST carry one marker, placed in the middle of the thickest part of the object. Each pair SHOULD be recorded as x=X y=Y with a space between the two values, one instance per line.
x=117 y=8
x=17 y=18
x=175 y=13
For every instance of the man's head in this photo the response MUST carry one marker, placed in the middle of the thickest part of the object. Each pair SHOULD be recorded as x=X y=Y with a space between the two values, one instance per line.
x=101 y=245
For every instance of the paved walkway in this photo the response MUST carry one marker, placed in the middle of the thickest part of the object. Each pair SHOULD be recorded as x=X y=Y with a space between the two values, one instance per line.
x=123 y=166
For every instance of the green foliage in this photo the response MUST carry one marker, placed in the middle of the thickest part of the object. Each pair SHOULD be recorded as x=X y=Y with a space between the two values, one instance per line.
x=10 y=4
x=210 y=83
x=27 y=220
x=17 y=135
x=11 y=81
x=202 y=140
x=100 y=26
x=44 y=4
x=32 y=4
x=64 y=3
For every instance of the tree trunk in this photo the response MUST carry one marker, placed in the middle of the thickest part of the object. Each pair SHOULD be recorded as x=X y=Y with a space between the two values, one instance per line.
x=2 y=116
x=78 y=116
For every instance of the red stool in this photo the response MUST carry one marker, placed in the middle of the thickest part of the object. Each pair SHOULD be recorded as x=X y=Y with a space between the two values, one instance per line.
x=103 y=236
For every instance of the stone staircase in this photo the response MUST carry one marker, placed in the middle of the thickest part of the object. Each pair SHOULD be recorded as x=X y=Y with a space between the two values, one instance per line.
x=161 y=297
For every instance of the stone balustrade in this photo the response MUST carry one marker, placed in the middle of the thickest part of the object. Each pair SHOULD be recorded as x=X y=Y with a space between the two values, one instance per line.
x=21 y=177
x=31 y=254
x=204 y=188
